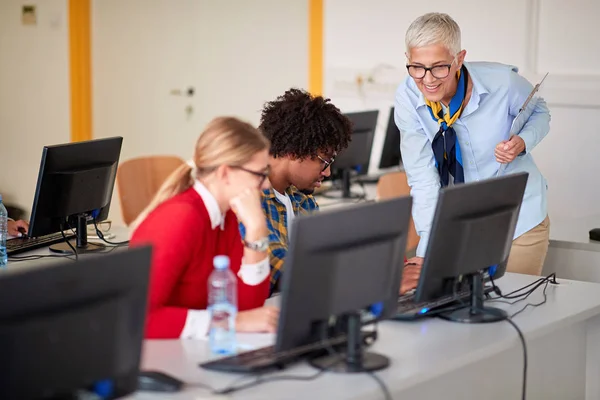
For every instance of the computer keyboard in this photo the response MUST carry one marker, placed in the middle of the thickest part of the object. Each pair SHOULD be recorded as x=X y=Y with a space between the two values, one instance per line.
x=23 y=244
x=267 y=358
x=408 y=309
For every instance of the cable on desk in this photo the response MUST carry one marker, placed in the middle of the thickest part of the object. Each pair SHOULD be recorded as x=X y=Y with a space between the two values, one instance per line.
x=515 y=293
x=235 y=386
x=523 y=344
x=544 y=281
x=62 y=232
x=34 y=257
x=101 y=236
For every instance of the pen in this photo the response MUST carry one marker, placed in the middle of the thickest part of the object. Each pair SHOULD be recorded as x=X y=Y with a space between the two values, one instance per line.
x=534 y=91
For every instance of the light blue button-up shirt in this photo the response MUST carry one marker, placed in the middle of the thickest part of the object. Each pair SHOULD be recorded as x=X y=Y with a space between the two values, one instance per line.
x=498 y=94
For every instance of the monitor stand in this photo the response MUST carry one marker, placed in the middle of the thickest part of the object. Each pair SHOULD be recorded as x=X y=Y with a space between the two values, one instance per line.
x=345 y=192
x=476 y=312
x=355 y=359
x=80 y=243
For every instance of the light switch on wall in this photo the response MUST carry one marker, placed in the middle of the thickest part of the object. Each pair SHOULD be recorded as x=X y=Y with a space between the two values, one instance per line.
x=29 y=15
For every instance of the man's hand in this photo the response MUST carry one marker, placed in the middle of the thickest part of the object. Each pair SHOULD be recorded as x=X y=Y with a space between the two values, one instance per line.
x=507 y=150
x=14 y=226
x=410 y=275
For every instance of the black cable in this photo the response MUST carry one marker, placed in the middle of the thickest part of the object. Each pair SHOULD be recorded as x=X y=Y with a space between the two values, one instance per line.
x=101 y=236
x=537 y=283
x=384 y=389
x=234 y=387
x=523 y=344
x=545 y=281
x=68 y=242
x=533 y=304
x=33 y=257
x=259 y=380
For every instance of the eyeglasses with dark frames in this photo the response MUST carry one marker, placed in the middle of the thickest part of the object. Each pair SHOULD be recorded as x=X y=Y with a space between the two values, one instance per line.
x=326 y=163
x=263 y=175
x=437 y=71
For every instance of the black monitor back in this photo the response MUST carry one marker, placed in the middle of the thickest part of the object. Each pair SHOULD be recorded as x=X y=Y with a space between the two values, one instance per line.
x=390 y=154
x=472 y=230
x=66 y=326
x=339 y=262
x=358 y=153
x=74 y=178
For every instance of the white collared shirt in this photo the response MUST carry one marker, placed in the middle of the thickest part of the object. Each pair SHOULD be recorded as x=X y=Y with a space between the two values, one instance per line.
x=198 y=321
x=287 y=202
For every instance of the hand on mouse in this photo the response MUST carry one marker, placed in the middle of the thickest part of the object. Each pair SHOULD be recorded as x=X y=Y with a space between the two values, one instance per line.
x=17 y=228
x=262 y=319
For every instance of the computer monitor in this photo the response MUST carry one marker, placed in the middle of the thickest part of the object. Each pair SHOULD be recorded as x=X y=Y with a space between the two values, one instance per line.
x=340 y=262
x=74 y=188
x=355 y=158
x=67 y=326
x=472 y=234
x=390 y=154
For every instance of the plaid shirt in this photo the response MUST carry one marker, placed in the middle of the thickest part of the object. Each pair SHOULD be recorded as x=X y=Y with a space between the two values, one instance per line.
x=277 y=224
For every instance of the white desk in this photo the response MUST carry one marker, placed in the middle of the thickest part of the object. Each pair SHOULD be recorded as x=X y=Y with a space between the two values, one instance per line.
x=121 y=234
x=439 y=359
x=369 y=190
x=572 y=255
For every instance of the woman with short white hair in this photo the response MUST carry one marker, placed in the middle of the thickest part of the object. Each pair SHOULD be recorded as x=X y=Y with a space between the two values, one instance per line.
x=455 y=118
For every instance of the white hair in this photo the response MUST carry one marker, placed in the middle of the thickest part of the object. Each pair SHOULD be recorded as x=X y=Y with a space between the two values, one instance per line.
x=434 y=28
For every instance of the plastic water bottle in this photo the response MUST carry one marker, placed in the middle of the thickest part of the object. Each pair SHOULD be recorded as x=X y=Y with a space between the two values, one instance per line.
x=222 y=306
x=3 y=233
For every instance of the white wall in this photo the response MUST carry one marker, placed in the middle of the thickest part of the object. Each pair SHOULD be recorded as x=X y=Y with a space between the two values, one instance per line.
x=34 y=93
x=367 y=38
x=236 y=54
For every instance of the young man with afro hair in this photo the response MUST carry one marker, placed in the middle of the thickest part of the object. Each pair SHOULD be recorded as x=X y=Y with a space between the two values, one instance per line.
x=306 y=133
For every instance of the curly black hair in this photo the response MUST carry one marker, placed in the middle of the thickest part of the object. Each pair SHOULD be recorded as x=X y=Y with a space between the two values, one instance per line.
x=299 y=124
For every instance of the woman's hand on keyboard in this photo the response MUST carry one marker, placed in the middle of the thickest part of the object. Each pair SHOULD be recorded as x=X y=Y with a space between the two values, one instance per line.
x=410 y=274
x=262 y=319
x=17 y=228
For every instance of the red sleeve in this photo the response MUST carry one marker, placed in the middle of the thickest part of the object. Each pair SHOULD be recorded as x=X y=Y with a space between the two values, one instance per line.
x=172 y=230
x=249 y=297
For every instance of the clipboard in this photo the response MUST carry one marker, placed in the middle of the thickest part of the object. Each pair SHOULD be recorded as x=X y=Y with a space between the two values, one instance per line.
x=523 y=115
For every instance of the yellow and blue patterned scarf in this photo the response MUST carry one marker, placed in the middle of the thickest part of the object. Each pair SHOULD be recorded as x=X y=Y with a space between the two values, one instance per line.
x=446 y=149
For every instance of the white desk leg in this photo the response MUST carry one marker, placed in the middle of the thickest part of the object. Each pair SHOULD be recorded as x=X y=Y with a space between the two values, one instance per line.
x=592 y=370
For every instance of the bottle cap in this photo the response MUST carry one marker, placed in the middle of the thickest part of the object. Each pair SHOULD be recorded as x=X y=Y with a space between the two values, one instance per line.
x=221 y=262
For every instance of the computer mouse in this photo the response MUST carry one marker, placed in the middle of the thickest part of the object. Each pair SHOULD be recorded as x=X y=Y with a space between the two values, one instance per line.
x=156 y=381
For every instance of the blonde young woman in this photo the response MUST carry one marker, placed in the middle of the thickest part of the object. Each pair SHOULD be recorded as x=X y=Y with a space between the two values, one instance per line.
x=194 y=217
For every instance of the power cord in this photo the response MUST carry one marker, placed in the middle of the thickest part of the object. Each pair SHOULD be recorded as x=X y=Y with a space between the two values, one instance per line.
x=337 y=357
x=523 y=344
x=517 y=296
x=101 y=236
x=62 y=232
x=34 y=257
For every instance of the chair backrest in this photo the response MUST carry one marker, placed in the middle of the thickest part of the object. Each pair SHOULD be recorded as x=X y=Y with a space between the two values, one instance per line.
x=393 y=185
x=139 y=179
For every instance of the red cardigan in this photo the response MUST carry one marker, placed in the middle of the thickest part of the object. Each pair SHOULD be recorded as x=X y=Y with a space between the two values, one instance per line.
x=184 y=245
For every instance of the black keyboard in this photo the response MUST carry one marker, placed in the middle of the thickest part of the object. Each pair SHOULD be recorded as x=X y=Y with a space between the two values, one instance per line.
x=408 y=309
x=267 y=358
x=23 y=244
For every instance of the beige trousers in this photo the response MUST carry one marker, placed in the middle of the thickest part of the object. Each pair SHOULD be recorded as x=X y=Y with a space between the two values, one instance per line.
x=528 y=251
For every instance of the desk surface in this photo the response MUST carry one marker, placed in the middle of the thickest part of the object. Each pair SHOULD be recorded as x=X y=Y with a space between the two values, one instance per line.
x=574 y=232
x=419 y=351
x=121 y=233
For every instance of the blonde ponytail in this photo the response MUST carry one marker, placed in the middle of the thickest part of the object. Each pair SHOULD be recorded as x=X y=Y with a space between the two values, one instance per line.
x=225 y=141
x=179 y=181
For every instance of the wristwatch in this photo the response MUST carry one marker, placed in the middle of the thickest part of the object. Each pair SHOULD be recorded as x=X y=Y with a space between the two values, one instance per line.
x=259 y=245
